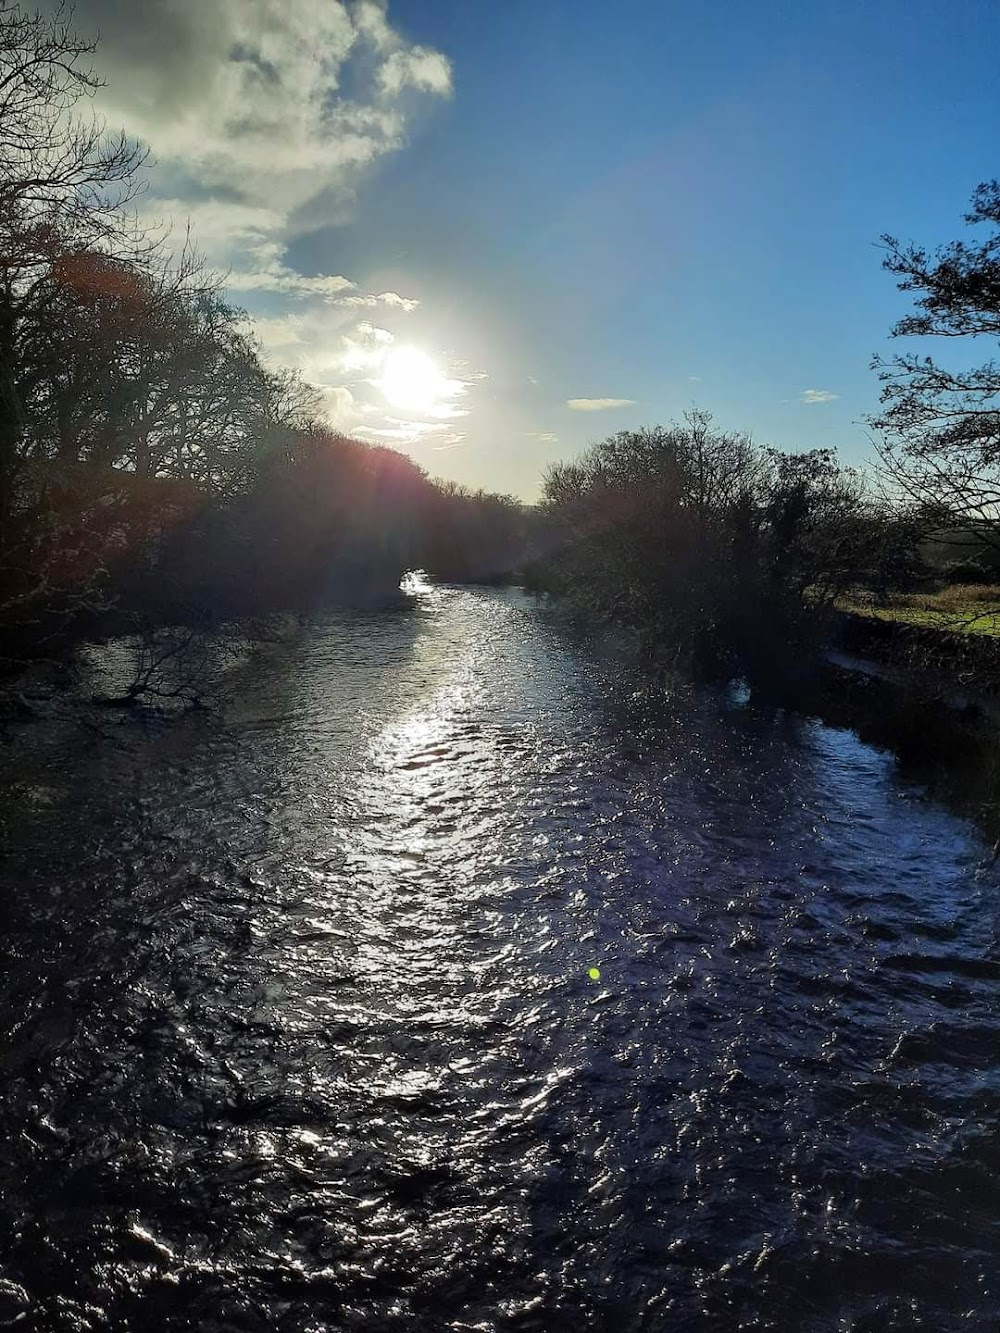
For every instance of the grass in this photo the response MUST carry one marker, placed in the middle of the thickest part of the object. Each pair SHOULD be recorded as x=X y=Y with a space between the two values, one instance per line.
x=962 y=608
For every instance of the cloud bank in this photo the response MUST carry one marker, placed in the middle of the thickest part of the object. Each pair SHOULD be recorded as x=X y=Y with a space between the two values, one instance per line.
x=817 y=396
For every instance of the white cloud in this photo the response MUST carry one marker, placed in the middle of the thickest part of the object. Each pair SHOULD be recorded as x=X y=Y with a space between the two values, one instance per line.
x=817 y=396
x=543 y=436
x=341 y=409
x=249 y=100
x=399 y=429
x=263 y=117
x=412 y=432
x=598 y=404
x=237 y=240
x=219 y=227
x=364 y=348
x=311 y=340
x=279 y=277
x=372 y=299
x=419 y=68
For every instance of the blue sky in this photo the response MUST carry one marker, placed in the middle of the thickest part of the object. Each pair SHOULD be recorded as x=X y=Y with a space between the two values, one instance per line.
x=659 y=203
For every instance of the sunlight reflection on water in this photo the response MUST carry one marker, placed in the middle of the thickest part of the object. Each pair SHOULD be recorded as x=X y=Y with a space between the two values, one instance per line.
x=336 y=1056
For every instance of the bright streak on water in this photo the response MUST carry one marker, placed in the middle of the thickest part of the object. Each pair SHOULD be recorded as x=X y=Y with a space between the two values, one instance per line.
x=302 y=1030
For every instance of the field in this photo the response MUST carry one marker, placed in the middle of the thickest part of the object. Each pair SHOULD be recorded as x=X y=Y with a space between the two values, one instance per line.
x=961 y=608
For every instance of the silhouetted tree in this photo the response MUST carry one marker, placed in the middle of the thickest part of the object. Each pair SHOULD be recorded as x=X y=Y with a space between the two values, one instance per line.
x=939 y=426
x=718 y=553
x=64 y=185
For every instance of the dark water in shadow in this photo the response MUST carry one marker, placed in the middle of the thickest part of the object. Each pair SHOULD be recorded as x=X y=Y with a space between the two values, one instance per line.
x=298 y=1031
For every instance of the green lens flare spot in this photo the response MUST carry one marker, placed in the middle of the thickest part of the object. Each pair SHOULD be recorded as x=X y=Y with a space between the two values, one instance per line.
x=594 y=973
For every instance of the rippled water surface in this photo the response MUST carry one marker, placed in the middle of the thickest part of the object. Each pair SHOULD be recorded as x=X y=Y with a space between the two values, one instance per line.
x=299 y=1031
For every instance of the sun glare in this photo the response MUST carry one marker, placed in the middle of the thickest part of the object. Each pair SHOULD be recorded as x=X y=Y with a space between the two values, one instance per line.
x=410 y=380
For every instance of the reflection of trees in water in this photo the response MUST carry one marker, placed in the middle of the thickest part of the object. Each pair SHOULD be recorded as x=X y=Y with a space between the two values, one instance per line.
x=952 y=752
x=750 y=741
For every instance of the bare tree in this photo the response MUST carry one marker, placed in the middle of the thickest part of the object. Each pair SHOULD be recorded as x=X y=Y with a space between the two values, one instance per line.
x=145 y=370
x=939 y=427
x=65 y=186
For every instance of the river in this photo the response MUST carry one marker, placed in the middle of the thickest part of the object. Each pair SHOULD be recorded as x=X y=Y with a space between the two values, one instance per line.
x=442 y=983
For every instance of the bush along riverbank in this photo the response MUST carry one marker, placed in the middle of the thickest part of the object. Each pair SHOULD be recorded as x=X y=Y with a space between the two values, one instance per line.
x=724 y=558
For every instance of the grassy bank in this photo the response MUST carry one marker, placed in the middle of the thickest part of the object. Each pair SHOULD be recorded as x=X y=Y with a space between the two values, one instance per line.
x=933 y=656
x=958 y=609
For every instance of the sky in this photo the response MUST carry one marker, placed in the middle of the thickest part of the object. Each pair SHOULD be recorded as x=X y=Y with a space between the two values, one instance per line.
x=493 y=233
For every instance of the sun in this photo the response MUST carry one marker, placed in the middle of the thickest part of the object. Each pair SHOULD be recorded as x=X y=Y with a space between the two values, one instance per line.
x=410 y=380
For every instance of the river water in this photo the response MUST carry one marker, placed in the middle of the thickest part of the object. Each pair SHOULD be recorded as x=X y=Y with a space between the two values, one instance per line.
x=300 y=1032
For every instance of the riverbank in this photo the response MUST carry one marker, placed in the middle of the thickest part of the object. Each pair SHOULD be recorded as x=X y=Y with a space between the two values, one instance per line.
x=958 y=608
x=960 y=667
x=944 y=737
